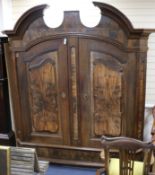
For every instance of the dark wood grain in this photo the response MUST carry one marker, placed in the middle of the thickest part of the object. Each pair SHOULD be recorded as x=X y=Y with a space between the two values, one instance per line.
x=73 y=83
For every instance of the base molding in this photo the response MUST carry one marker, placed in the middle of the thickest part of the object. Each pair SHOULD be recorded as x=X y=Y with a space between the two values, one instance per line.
x=68 y=155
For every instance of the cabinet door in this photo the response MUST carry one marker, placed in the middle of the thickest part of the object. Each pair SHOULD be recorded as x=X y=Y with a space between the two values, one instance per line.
x=102 y=89
x=43 y=85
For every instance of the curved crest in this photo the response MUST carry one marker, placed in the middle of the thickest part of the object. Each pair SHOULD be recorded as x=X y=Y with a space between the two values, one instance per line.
x=106 y=10
x=115 y=14
x=26 y=19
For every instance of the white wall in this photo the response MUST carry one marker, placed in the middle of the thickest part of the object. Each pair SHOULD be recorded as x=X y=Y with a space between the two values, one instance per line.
x=1 y=21
x=5 y=14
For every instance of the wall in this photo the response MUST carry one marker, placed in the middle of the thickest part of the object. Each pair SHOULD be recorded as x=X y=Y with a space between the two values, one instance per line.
x=5 y=14
x=1 y=21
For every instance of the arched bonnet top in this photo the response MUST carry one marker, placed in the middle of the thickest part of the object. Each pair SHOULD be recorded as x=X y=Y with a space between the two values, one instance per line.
x=106 y=10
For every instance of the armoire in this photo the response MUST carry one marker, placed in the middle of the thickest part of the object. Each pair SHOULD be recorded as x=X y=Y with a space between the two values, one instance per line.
x=72 y=84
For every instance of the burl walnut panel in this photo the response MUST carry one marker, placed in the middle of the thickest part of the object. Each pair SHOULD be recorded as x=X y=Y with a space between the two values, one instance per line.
x=71 y=84
x=106 y=93
x=43 y=93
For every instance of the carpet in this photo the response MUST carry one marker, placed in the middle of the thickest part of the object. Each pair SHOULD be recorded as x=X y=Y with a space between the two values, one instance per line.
x=55 y=169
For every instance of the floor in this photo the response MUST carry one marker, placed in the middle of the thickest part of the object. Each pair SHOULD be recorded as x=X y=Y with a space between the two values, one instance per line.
x=55 y=169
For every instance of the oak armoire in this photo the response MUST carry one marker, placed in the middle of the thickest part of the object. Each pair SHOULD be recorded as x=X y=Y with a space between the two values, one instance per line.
x=71 y=84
